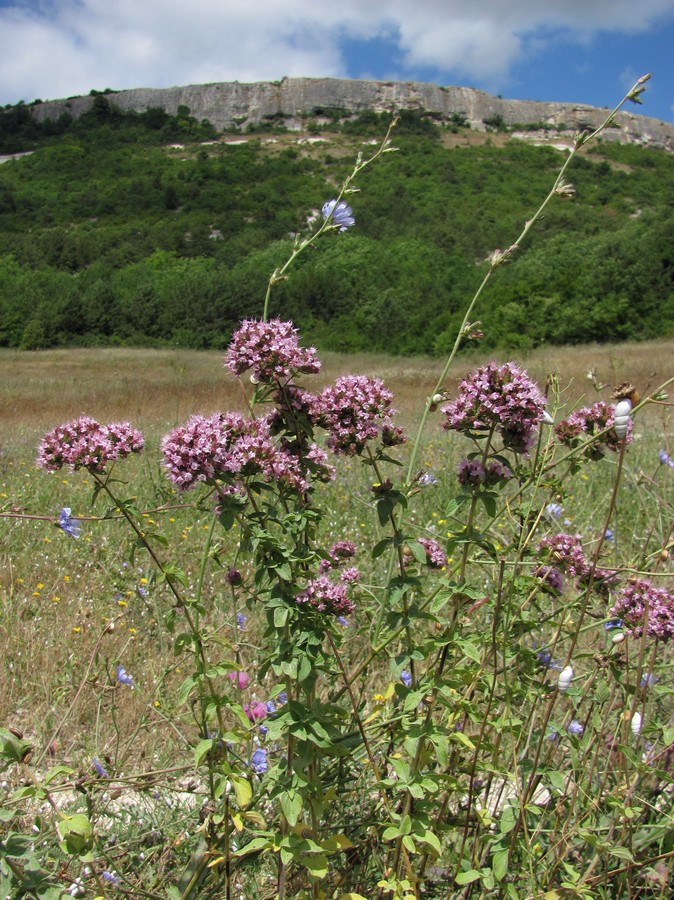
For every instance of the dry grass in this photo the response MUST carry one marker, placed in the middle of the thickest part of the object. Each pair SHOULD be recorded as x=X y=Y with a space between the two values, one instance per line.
x=156 y=388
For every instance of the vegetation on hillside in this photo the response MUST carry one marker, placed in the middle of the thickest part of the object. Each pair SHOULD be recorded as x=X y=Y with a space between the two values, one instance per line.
x=111 y=235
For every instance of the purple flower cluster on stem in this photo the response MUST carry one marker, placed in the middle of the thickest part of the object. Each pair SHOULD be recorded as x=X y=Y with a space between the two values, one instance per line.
x=326 y=596
x=500 y=398
x=353 y=412
x=642 y=604
x=271 y=350
x=590 y=421
x=84 y=443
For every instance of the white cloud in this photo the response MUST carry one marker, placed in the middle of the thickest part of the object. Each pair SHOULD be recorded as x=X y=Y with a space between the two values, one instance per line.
x=55 y=48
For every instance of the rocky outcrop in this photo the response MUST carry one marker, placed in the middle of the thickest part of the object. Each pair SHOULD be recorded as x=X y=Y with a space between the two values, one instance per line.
x=291 y=100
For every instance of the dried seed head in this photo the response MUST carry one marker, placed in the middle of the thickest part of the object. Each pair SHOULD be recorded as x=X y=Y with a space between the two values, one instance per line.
x=626 y=391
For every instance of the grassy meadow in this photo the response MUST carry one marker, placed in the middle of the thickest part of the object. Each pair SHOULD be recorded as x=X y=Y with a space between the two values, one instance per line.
x=72 y=610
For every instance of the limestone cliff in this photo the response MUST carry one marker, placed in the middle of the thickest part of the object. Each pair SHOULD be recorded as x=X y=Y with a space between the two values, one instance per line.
x=292 y=99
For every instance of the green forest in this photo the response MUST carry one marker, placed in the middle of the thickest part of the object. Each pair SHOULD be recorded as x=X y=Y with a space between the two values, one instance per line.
x=153 y=230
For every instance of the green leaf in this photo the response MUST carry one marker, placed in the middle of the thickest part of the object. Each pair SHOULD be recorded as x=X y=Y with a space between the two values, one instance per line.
x=281 y=614
x=317 y=864
x=202 y=749
x=76 y=834
x=499 y=864
x=291 y=804
x=379 y=548
x=467 y=877
x=242 y=789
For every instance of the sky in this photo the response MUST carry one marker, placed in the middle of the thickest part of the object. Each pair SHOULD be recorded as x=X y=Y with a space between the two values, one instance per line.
x=581 y=51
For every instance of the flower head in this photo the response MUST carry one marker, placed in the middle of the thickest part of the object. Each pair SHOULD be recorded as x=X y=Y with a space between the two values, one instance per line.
x=86 y=444
x=70 y=525
x=123 y=676
x=256 y=711
x=502 y=398
x=641 y=604
x=338 y=213
x=406 y=678
x=353 y=411
x=326 y=596
x=258 y=761
x=666 y=459
x=270 y=350
x=575 y=728
x=588 y=422
x=99 y=767
x=241 y=679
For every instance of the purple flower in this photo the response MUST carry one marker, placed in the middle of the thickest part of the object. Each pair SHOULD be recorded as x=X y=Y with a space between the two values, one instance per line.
x=282 y=697
x=256 y=711
x=326 y=596
x=68 y=524
x=240 y=620
x=233 y=577
x=111 y=878
x=123 y=676
x=436 y=558
x=613 y=623
x=640 y=602
x=648 y=679
x=258 y=761
x=575 y=728
x=85 y=444
x=502 y=398
x=353 y=411
x=406 y=678
x=666 y=459
x=567 y=552
x=551 y=576
x=271 y=350
x=426 y=479
x=240 y=678
x=98 y=766
x=338 y=213
x=587 y=422
x=554 y=510
x=545 y=660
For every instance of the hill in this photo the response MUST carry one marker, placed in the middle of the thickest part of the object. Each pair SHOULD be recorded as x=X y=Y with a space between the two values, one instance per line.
x=126 y=227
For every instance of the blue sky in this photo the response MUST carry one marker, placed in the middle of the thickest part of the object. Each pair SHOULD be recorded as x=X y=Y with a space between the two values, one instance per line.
x=586 y=51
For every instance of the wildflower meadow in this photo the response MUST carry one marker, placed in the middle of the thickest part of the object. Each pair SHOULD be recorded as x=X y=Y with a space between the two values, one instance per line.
x=320 y=649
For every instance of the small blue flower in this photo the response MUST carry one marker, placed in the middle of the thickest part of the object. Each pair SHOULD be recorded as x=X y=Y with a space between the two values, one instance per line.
x=575 y=728
x=554 y=510
x=665 y=458
x=338 y=213
x=648 y=679
x=68 y=524
x=545 y=660
x=240 y=620
x=342 y=621
x=609 y=535
x=613 y=623
x=426 y=479
x=99 y=767
x=123 y=676
x=282 y=698
x=111 y=877
x=271 y=706
x=258 y=761
x=406 y=678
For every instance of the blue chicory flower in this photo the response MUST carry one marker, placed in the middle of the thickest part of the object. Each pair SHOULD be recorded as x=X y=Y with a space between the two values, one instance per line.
x=665 y=458
x=99 y=767
x=123 y=676
x=68 y=524
x=338 y=213
x=258 y=761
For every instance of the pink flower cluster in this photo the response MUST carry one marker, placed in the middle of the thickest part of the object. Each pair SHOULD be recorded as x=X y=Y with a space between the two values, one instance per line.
x=271 y=350
x=353 y=411
x=473 y=473
x=503 y=398
x=337 y=555
x=641 y=603
x=587 y=422
x=326 y=596
x=567 y=552
x=436 y=558
x=228 y=447
x=85 y=444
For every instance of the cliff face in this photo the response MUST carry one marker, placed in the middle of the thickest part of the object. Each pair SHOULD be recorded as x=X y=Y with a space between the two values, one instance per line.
x=233 y=103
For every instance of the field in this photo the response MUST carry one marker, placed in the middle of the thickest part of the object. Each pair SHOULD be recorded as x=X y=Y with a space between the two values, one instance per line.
x=72 y=611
